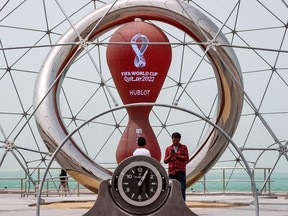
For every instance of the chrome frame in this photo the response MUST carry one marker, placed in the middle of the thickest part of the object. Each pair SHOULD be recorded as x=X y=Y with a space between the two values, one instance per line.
x=177 y=13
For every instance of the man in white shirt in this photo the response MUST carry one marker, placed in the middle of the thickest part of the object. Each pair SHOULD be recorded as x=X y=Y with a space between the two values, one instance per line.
x=141 y=150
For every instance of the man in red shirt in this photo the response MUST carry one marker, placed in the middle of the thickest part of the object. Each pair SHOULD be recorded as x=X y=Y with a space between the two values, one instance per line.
x=176 y=155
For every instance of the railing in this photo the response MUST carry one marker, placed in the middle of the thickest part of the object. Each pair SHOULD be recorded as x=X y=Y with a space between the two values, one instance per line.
x=6 y=189
x=226 y=178
x=51 y=185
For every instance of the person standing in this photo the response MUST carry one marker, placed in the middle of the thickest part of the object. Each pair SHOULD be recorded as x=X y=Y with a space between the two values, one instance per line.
x=176 y=156
x=63 y=187
x=141 y=150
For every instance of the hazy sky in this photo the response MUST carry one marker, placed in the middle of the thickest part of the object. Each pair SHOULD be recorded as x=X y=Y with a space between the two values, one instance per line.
x=256 y=29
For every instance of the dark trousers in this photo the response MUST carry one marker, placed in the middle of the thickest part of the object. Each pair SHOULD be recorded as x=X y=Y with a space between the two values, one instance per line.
x=181 y=177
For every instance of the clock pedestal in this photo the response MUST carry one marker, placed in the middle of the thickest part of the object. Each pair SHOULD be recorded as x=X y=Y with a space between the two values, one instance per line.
x=105 y=204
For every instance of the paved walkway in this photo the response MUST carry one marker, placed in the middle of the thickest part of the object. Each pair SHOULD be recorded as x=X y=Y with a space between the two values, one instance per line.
x=14 y=205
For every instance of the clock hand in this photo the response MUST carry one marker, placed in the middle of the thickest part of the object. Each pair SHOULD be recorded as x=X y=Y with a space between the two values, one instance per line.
x=143 y=177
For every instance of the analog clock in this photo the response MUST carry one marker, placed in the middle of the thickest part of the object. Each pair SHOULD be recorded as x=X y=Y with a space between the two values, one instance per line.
x=140 y=184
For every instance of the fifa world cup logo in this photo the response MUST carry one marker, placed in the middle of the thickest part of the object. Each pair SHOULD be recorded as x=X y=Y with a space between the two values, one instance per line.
x=139 y=60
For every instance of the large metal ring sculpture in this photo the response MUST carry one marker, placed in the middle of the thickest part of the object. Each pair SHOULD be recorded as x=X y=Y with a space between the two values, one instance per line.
x=177 y=13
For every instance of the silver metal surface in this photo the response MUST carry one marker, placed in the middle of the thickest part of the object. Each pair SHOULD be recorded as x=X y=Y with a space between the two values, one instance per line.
x=179 y=14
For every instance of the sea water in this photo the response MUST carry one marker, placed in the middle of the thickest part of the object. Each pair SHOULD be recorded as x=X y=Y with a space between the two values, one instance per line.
x=241 y=182
x=18 y=179
x=213 y=181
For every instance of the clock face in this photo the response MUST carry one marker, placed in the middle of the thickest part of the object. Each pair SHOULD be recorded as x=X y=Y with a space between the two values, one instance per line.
x=140 y=183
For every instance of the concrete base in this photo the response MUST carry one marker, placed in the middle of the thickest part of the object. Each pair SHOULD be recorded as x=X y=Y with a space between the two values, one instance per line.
x=106 y=206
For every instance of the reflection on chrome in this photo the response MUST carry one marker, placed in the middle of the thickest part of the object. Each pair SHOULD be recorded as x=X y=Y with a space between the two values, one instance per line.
x=179 y=14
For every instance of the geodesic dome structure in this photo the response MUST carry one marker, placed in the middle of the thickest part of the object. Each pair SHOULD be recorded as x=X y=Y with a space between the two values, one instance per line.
x=256 y=31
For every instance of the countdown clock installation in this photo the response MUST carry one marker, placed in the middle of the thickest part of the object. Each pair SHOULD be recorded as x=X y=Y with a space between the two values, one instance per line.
x=140 y=184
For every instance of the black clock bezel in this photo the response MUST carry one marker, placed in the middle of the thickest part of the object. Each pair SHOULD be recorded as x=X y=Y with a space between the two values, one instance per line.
x=146 y=206
x=129 y=167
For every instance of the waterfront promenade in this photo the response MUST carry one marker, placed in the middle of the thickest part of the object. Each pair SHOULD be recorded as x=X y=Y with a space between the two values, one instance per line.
x=203 y=205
